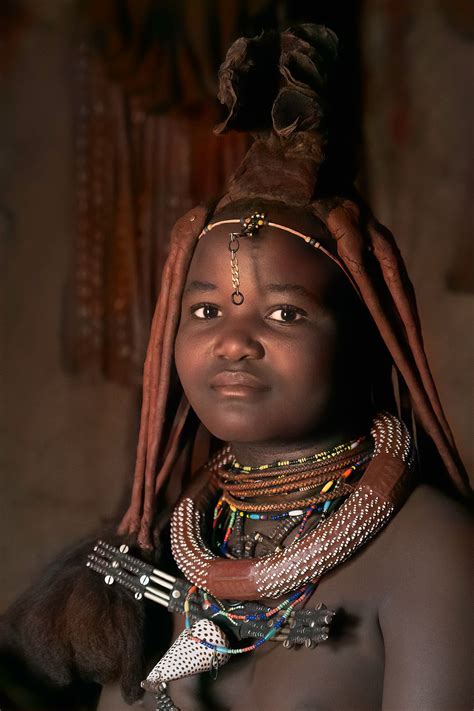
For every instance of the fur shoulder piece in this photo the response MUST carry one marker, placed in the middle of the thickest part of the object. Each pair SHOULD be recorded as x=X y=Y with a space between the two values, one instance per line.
x=69 y=626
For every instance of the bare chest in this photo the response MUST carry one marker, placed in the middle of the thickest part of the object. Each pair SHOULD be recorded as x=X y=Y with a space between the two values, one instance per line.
x=344 y=673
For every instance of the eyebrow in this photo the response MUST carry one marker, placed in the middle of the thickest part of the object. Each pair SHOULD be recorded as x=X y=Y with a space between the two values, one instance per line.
x=286 y=288
x=199 y=286
x=204 y=286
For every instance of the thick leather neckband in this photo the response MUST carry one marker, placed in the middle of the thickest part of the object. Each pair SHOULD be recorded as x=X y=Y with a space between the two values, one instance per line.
x=380 y=492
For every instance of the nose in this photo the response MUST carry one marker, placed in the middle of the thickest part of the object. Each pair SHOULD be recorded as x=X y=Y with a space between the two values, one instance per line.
x=238 y=343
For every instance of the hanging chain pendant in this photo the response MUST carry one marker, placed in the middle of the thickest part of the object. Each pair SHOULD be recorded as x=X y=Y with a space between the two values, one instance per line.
x=164 y=702
x=237 y=296
x=250 y=225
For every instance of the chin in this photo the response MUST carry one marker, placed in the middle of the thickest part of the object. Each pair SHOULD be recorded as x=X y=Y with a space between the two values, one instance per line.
x=236 y=429
x=235 y=419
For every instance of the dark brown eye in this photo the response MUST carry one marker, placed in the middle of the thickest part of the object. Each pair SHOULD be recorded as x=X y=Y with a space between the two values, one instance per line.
x=206 y=311
x=285 y=314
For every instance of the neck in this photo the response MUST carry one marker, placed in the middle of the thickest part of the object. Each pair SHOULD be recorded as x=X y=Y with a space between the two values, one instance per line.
x=256 y=453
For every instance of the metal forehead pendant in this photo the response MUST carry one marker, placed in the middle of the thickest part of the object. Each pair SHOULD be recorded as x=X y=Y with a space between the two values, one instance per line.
x=250 y=225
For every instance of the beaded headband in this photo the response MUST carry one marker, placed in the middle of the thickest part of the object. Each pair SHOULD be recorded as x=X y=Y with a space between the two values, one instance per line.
x=249 y=227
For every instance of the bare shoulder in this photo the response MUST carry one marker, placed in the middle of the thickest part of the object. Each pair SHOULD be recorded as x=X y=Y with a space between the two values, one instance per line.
x=425 y=610
x=431 y=504
x=430 y=526
x=425 y=552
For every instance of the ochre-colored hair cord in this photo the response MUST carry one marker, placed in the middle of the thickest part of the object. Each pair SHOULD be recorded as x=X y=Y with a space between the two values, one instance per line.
x=131 y=520
x=148 y=478
x=403 y=293
x=405 y=344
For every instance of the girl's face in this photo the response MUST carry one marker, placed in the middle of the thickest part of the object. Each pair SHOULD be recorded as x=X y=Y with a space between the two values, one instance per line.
x=268 y=370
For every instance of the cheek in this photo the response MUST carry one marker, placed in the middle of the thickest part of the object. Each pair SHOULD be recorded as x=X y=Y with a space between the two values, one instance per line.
x=191 y=354
x=306 y=360
x=304 y=373
x=183 y=358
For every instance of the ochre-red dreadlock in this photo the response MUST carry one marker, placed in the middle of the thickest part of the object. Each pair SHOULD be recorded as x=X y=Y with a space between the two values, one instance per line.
x=149 y=477
x=392 y=306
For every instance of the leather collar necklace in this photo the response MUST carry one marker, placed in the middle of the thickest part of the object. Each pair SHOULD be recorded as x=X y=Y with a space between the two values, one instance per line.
x=380 y=492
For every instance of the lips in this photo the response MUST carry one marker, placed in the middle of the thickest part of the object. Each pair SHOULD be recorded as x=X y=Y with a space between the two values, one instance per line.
x=236 y=380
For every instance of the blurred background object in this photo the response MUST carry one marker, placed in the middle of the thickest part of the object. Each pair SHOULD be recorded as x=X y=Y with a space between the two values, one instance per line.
x=107 y=108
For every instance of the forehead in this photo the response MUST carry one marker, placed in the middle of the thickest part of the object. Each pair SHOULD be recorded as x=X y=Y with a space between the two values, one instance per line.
x=270 y=256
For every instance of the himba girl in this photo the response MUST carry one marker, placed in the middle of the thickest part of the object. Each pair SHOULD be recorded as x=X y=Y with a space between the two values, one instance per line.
x=292 y=432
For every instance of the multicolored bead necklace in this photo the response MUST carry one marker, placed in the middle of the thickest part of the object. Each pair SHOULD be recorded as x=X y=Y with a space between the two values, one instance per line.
x=328 y=476
x=310 y=459
x=323 y=500
x=286 y=608
x=316 y=474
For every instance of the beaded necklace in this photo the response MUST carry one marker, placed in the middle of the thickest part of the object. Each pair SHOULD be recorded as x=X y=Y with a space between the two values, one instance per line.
x=330 y=492
x=317 y=474
x=324 y=500
x=286 y=607
x=310 y=459
x=380 y=490
x=320 y=487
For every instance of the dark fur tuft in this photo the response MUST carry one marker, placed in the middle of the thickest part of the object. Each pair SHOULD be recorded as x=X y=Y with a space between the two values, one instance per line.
x=70 y=626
